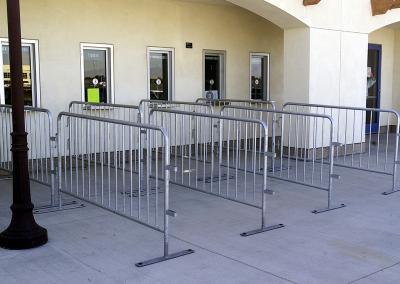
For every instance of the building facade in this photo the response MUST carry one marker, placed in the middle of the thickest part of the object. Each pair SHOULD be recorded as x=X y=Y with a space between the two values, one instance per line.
x=121 y=51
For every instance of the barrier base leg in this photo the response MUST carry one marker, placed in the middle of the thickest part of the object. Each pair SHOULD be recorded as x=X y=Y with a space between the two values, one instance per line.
x=55 y=208
x=5 y=178
x=391 y=192
x=164 y=258
x=328 y=209
x=262 y=230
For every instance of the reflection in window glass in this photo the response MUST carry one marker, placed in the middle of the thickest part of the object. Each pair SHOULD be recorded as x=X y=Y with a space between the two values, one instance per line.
x=373 y=85
x=212 y=74
x=159 y=76
x=28 y=76
x=259 y=77
x=96 y=81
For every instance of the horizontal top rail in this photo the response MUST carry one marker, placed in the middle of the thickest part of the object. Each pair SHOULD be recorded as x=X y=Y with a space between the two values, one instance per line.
x=29 y=108
x=34 y=109
x=216 y=116
x=112 y=121
x=341 y=107
x=272 y=103
x=101 y=105
x=279 y=112
x=172 y=103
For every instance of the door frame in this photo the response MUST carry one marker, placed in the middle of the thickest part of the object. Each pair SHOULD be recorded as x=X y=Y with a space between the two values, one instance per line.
x=222 y=55
x=170 y=51
x=374 y=128
x=35 y=69
x=109 y=49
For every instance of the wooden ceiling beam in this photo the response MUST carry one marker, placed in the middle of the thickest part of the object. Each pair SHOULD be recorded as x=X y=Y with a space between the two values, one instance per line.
x=310 y=2
x=380 y=7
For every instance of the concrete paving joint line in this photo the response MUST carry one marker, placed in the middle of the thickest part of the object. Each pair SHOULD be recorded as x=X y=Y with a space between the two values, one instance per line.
x=373 y=273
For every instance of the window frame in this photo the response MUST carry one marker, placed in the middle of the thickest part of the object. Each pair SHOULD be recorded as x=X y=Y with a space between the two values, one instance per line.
x=268 y=56
x=109 y=48
x=222 y=70
x=35 y=63
x=171 y=76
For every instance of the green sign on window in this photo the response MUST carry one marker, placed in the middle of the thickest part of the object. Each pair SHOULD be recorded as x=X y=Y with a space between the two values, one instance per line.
x=93 y=95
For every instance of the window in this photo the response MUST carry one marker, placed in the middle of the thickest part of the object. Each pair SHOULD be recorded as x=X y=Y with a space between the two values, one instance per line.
x=30 y=69
x=214 y=74
x=161 y=73
x=259 y=76
x=97 y=73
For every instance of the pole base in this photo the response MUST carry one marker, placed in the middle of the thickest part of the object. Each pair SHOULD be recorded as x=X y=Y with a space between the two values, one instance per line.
x=262 y=230
x=328 y=209
x=13 y=239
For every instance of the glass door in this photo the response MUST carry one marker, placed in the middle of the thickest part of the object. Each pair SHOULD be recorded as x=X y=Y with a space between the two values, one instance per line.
x=259 y=76
x=373 y=86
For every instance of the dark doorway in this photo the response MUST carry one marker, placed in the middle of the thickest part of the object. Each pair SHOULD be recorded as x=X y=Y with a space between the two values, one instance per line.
x=373 y=86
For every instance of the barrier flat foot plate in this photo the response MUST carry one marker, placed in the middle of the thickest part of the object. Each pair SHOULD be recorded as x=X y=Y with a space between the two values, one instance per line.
x=164 y=258
x=262 y=230
x=65 y=206
x=390 y=192
x=328 y=209
x=52 y=206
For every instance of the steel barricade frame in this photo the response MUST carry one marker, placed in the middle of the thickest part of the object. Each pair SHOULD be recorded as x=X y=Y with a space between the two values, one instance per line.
x=5 y=148
x=85 y=178
x=301 y=149
x=199 y=154
x=39 y=125
x=146 y=105
x=343 y=149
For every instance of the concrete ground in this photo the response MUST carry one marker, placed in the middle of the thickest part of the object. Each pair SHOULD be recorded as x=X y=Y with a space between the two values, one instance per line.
x=357 y=244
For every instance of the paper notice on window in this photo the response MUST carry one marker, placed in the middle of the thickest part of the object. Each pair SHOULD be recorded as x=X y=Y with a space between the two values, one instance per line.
x=93 y=95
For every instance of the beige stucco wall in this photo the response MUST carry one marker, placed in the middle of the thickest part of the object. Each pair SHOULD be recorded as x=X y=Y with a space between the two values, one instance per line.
x=133 y=25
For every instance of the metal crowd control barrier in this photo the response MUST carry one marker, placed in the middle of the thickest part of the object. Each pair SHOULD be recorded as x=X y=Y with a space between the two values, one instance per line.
x=305 y=144
x=146 y=106
x=112 y=111
x=38 y=125
x=197 y=152
x=244 y=103
x=360 y=144
x=88 y=170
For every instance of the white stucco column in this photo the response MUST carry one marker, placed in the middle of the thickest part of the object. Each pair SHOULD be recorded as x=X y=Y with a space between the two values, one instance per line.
x=296 y=58
x=328 y=67
x=338 y=67
x=325 y=66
